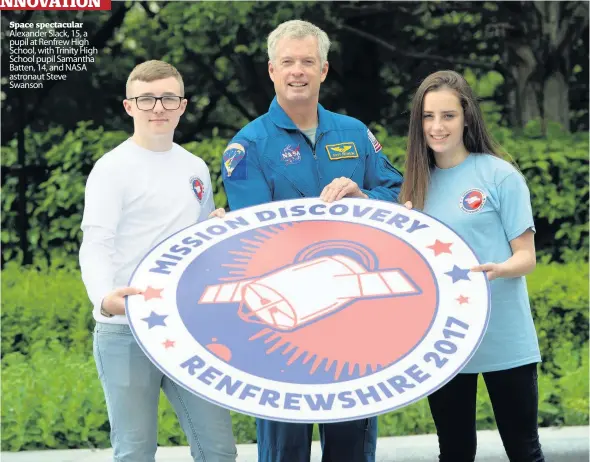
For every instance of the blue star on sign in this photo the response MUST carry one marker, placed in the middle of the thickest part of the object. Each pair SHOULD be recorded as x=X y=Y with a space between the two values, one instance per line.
x=458 y=274
x=155 y=319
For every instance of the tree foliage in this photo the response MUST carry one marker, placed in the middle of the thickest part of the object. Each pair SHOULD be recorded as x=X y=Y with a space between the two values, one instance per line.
x=381 y=51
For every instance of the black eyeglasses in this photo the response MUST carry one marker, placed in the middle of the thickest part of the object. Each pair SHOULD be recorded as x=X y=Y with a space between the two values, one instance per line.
x=147 y=103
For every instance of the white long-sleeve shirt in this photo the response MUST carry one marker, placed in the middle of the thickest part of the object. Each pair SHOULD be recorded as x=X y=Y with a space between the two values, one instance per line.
x=134 y=199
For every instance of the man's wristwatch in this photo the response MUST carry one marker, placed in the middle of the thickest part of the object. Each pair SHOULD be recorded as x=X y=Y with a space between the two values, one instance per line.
x=105 y=313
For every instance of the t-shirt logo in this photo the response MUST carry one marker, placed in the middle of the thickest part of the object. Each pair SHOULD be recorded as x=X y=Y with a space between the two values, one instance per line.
x=198 y=187
x=472 y=201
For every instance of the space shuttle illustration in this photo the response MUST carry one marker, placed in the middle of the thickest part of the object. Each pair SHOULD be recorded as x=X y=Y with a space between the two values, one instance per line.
x=473 y=200
x=297 y=294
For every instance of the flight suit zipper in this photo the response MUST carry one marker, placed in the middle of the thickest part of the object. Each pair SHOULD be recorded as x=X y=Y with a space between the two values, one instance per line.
x=317 y=163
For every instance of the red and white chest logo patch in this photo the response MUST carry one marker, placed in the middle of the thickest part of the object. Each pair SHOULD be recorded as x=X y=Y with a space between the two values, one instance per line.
x=198 y=187
x=472 y=201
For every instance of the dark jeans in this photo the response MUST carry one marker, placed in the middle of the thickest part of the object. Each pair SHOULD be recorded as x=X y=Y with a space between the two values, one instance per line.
x=514 y=397
x=341 y=442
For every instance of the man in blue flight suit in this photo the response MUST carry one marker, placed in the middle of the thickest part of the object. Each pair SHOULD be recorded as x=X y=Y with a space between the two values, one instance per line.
x=299 y=149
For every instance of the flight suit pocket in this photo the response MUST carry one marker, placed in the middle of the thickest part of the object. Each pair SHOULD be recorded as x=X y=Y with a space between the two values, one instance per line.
x=291 y=181
x=350 y=168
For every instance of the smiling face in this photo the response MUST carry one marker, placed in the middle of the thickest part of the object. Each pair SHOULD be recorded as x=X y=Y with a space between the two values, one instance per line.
x=443 y=122
x=297 y=71
x=157 y=121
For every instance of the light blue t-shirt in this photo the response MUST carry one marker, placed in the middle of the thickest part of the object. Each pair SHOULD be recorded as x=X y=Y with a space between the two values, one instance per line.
x=310 y=133
x=487 y=202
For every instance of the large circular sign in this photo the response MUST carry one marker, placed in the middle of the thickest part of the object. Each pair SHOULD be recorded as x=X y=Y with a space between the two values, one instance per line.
x=304 y=311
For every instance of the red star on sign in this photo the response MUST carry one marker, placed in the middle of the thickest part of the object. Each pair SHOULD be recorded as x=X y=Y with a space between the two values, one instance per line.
x=150 y=293
x=440 y=247
x=168 y=344
x=462 y=299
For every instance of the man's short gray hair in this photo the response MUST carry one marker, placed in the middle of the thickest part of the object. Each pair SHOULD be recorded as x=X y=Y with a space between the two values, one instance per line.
x=299 y=29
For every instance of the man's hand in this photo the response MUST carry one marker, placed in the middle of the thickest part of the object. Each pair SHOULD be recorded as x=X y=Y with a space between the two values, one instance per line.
x=114 y=302
x=217 y=213
x=492 y=270
x=339 y=188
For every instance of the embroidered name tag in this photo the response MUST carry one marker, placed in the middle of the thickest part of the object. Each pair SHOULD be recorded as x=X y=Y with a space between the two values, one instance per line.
x=342 y=151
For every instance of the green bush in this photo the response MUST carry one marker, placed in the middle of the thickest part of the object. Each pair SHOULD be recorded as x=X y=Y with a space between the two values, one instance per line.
x=52 y=399
x=61 y=163
x=559 y=298
x=563 y=397
x=556 y=168
x=51 y=396
x=44 y=307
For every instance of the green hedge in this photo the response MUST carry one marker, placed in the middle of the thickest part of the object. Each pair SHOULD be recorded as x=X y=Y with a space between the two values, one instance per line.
x=556 y=168
x=51 y=396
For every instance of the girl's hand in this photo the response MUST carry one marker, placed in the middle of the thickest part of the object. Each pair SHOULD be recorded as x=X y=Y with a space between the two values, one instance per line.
x=492 y=270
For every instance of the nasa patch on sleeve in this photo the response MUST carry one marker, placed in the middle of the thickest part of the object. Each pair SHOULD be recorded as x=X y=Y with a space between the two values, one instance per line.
x=234 y=165
x=304 y=311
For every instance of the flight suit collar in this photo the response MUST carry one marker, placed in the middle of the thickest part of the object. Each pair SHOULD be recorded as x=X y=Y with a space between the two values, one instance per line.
x=280 y=118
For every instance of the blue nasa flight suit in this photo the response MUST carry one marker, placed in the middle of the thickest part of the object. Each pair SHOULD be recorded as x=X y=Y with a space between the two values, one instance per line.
x=271 y=159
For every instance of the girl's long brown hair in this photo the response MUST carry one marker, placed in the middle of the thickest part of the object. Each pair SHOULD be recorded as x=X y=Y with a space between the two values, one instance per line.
x=419 y=157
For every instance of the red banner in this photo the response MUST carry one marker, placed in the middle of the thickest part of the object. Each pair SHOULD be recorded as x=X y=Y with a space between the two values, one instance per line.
x=55 y=4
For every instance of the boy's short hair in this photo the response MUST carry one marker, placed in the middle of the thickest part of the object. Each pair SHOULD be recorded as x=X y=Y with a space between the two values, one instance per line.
x=154 y=70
